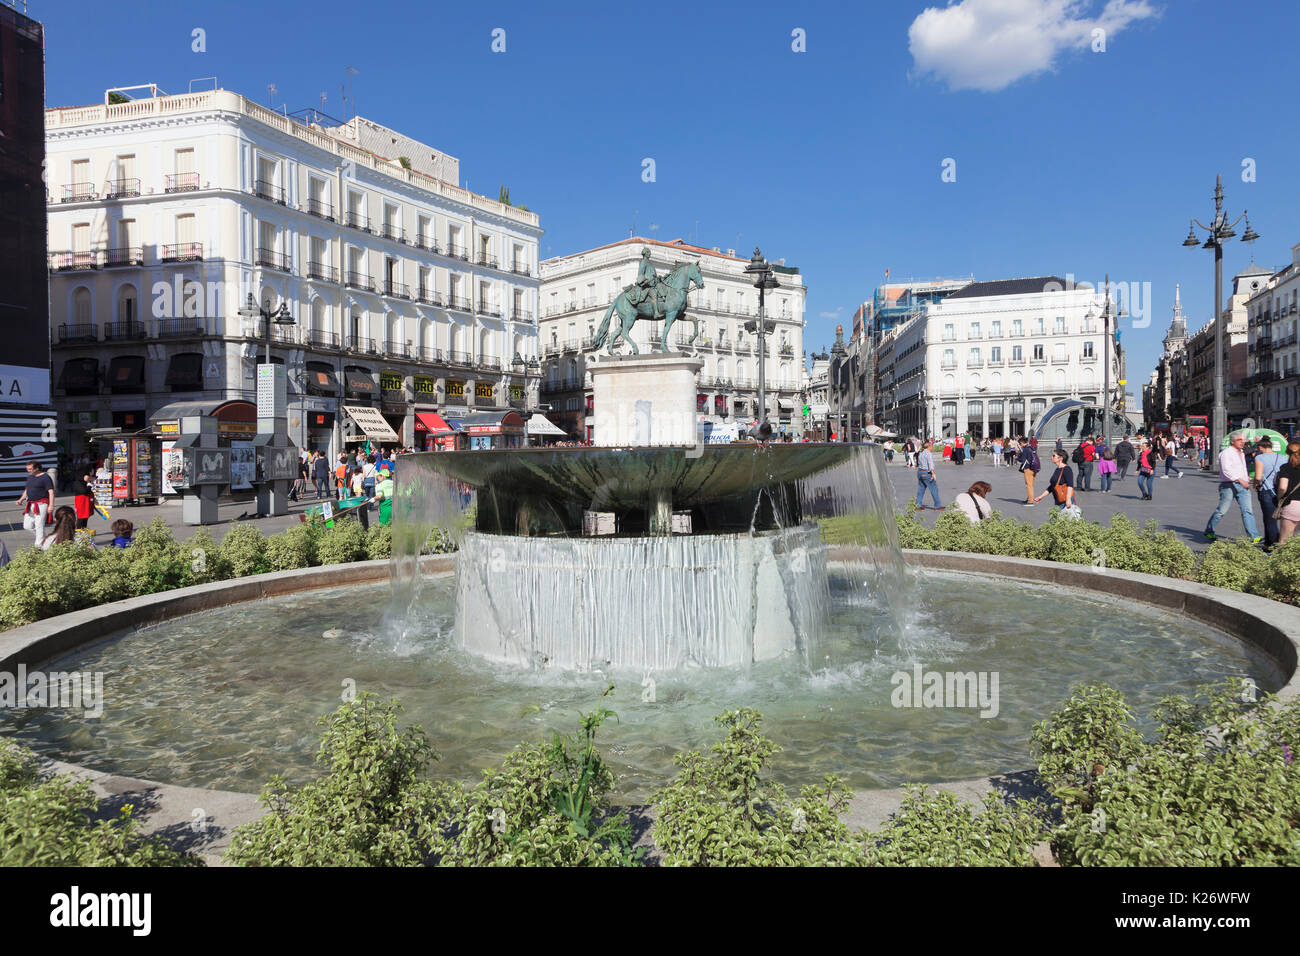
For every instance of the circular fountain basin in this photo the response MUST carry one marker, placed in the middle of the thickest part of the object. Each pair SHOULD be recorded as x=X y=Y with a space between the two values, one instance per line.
x=226 y=698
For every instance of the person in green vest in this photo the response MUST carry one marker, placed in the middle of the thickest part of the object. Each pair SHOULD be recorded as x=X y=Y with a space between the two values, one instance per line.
x=384 y=495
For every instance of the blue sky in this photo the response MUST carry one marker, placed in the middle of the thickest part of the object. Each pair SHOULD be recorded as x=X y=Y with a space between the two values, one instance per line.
x=1067 y=160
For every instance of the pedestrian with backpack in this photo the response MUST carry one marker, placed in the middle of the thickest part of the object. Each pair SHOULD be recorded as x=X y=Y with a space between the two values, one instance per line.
x=1029 y=467
x=1267 y=465
x=1083 y=458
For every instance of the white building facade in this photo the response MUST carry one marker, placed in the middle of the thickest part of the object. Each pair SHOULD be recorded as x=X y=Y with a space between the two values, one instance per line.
x=993 y=356
x=577 y=289
x=409 y=293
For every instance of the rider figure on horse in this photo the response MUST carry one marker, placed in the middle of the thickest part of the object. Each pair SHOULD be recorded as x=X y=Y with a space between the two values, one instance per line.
x=646 y=280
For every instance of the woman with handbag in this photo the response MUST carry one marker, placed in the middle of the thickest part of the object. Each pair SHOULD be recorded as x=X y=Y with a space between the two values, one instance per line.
x=1061 y=484
x=1146 y=470
x=1288 y=492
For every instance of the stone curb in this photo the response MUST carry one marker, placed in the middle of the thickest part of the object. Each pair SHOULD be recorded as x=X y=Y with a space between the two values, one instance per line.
x=170 y=809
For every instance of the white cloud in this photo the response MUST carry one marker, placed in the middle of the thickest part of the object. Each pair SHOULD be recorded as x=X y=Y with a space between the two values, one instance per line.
x=987 y=45
x=832 y=315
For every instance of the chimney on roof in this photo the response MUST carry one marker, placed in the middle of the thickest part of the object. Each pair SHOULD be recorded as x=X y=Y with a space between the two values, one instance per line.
x=716 y=249
x=732 y=253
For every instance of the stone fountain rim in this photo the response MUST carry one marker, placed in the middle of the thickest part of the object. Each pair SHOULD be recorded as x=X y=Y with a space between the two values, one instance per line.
x=1268 y=625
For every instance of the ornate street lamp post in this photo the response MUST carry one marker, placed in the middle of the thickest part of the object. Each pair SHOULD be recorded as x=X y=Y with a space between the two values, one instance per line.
x=1218 y=230
x=764 y=279
x=269 y=316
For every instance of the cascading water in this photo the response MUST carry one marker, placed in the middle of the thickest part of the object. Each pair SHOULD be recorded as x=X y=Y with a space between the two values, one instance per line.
x=651 y=558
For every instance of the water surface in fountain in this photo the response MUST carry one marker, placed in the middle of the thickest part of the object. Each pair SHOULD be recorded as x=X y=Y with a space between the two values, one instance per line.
x=227 y=698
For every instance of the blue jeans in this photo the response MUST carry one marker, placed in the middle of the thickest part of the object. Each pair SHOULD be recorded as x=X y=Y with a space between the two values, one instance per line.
x=1170 y=467
x=1105 y=480
x=924 y=483
x=1267 y=502
x=1145 y=484
x=1227 y=491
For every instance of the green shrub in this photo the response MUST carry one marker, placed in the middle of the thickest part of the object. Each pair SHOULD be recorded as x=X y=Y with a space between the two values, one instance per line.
x=934 y=828
x=207 y=562
x=293 y=548
x=38 y=584
x=379 y=542
x=1231 y=564
x=544 y=806
x=719 y=811
x=1279 y=577
x=243 y=550
x=913 y=534
x=46 y=820
x=1193 y=797
x=344 y=542
x=158 y=561
x=371 y=808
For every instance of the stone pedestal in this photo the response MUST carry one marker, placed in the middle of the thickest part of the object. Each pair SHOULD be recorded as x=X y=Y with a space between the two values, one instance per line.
x=646 y=400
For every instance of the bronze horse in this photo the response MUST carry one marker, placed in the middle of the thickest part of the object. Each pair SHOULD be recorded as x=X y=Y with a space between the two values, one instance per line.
x=668 y=301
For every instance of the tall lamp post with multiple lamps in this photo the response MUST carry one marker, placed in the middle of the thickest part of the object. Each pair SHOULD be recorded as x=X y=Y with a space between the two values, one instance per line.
x=277 y=458
x=1218 y=230
x=764 y=279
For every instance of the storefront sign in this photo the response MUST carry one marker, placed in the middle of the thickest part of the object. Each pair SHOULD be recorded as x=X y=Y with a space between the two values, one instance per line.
x=236 y=429
x=371 y=422
x=20 y=385
x=484 y=390
x=425 y=386
x=455 y=388
x=169 y=428
x=391 y=382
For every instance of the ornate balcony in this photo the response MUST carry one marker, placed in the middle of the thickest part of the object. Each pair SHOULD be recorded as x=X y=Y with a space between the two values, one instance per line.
x=319 y=270
x=119 y=258
x=273 y=260
x=359 y=280
x=180 y=183
x=183 y=252
x=122 y=189
x=79 y=192
x=320 y=209
x=265 y=189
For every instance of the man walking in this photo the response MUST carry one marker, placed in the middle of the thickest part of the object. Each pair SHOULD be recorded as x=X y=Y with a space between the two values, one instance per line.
x=1029 y=467
x=1169 y=451
x=1234 y=482
x=37 y=499
x=1124 y=455
x=925 y=480
x=1087 y=453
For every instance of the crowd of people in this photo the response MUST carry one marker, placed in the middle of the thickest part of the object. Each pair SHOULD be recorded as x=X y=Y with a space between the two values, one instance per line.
x=1244 y=466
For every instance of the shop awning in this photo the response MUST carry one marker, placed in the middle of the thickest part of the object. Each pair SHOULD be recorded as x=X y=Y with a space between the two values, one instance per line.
x=493 y=423
x=431 y=422
x=359 y=383
x=455 y=424
x=320 y=380
x=126 y=373
x=80 y=375
x=185 y=371
x=370 y=421
x=539 y=424
x=785 y=406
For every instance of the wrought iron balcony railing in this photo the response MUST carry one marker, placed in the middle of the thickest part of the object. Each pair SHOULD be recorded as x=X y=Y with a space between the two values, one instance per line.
x=319 y=270
x=398 y=289
x=78 y=192
x=265 y=189
x=117 y=331
x=180 y=182
x=122 y=189
x=182 y=252
x=359 y=280
x=320 y=209
x=356 y=220
x=273 y=260
x=117 y=258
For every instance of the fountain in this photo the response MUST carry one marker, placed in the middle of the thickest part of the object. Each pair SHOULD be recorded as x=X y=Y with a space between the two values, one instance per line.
x=652 y=551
